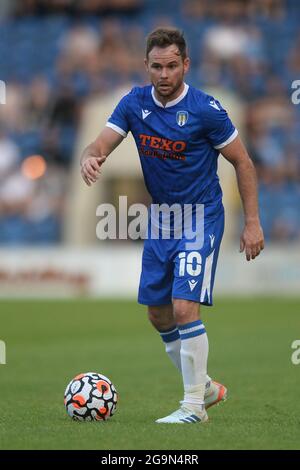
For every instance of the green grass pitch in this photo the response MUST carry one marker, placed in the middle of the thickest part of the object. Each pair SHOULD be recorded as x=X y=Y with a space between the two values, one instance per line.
x=49 y=342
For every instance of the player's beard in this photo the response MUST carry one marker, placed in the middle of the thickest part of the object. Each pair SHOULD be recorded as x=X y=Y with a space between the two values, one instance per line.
x=170 y=91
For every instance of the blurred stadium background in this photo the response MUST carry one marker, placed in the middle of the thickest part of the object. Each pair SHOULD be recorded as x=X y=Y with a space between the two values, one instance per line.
x=66 y=63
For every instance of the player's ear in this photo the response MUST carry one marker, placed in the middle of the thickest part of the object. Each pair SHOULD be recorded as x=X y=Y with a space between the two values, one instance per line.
x=146 y=64
x=186 y=64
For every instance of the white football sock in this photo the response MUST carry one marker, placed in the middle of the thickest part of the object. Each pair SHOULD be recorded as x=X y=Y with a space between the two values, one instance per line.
x=194 y=353
x=172 y=342
x=173 y=347
x=173 y=351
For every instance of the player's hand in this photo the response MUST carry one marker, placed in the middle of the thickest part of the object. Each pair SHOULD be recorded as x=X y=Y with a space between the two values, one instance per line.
x=252 y=240
x=90 y=169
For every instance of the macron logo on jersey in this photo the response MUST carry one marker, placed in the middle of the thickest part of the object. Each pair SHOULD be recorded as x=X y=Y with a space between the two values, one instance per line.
x=192 y=284
x=214 y=105
x=145 y=113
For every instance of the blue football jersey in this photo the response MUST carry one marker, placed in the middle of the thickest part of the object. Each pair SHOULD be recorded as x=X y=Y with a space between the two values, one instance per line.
x=178 y=144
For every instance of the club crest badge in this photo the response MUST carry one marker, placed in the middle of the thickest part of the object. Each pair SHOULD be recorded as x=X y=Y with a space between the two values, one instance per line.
x=182 y=118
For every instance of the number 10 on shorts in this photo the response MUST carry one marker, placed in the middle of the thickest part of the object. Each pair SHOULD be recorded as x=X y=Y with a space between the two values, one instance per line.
x=190 y=263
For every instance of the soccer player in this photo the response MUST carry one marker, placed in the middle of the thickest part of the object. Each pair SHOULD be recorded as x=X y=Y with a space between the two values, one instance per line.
x=179 y=132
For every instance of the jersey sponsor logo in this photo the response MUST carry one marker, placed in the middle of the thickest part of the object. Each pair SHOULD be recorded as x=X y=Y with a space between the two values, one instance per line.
x=162 y=144
x=145 y=113
x=213 y=104
x=182 y=118
x=192 y=284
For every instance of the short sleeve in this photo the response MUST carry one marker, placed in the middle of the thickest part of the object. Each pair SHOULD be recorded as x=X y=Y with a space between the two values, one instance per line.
x=218 y=127
x=118 y=121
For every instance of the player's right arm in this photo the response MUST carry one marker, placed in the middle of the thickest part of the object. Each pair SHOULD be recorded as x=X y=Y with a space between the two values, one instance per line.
x=96 y=153
x=115 y=131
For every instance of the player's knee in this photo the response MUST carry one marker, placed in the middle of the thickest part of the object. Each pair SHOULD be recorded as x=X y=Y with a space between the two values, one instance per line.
x=186 y=311
x=161 y=318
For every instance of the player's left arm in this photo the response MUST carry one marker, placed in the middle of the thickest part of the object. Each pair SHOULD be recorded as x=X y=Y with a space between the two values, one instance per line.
x=252 y=237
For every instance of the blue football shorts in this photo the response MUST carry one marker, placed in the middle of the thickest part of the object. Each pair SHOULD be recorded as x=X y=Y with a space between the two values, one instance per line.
x=171 y=271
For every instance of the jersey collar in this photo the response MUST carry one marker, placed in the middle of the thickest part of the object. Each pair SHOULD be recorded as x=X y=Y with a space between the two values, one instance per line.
x=173 y=102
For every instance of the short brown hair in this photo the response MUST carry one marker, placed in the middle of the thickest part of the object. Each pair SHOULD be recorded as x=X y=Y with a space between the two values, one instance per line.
x=164 y=37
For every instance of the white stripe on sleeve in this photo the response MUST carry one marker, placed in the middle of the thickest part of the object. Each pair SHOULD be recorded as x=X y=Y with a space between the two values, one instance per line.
x=228 y=141
x=117 y=129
